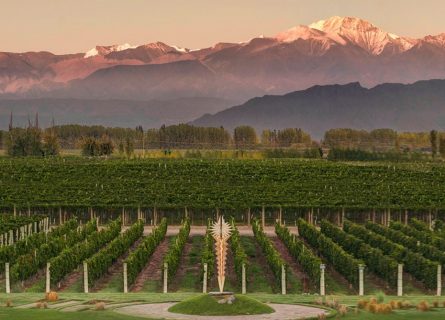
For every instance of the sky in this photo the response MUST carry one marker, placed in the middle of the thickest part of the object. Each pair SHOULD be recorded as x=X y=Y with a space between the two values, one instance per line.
x=71 y=26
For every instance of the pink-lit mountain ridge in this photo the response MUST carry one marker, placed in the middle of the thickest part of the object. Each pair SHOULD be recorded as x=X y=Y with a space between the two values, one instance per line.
x=337 y=50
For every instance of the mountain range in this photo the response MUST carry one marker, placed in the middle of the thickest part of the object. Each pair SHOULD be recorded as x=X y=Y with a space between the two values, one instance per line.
x=338 y=50
x=414 y=107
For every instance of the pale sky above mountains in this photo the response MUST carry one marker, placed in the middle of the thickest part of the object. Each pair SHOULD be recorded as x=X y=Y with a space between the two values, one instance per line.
x=68 y=26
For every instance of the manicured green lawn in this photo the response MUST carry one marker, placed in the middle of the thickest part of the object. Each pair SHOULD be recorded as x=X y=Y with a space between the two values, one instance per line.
x=40 y=314
x=209 y=306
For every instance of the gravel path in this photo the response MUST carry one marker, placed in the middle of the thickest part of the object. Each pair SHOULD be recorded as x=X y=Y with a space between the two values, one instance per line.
x=282 y=312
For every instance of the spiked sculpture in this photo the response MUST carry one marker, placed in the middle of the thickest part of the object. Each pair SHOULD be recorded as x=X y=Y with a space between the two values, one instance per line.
x=221 y=233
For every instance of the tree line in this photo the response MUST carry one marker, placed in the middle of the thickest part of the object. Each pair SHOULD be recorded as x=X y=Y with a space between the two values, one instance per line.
x=97 y=140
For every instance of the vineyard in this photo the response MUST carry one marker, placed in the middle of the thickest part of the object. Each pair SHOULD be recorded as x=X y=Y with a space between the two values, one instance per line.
x=298 y=228
x=225 y=184
x=349 y=258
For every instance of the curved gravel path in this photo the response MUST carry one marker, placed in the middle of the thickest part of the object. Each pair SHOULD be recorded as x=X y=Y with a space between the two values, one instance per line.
x=282 y=312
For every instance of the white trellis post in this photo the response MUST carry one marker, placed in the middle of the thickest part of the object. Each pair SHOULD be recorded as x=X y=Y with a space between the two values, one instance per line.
x=165 y=277
x=243 y=279
x=85 y=277
x=48 y=277
x=322 y=280
x=361 y=288
x=125 y=278
x=400 y=280
x=8 y=284
x=439 y=280
x=283 y=279
x=263 y=217
x=204 y=279
x=342 y=217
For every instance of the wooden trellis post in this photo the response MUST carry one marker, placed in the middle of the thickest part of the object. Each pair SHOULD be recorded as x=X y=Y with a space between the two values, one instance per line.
x=439 y=280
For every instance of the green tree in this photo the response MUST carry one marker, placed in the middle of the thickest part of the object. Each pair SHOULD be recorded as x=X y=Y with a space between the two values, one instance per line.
x=442 y=145
x=244 y=137
x=129 y=147
x=25 y=142
x=433 y=141
x=106 y=146
x=90 y=147
x=51 y=146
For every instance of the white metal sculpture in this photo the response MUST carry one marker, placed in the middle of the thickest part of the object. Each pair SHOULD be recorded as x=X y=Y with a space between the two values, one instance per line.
x=221 y=231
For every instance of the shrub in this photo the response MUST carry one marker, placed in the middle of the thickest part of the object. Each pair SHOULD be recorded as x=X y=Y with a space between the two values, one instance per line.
x=423 y=306
x=380 y=297
x=99 y=306
x=342 y=310
x=321 y=316
x=51 y=296
x=362 y=304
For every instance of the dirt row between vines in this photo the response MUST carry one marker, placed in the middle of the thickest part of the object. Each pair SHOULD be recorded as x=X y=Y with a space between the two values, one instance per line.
x=153 y=269
x=115 y=270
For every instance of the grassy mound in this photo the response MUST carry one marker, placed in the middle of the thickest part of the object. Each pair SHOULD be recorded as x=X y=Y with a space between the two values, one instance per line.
x=206 y=305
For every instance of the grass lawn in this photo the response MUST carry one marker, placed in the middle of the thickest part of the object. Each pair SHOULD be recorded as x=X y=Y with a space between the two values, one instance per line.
x=40 y=314
x=209 y=306
x=27 y=314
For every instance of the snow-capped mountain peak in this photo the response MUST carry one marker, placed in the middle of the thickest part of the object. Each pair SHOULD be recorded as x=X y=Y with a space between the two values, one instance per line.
x=437 y=40
x=104 y=50
x=344 y=30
